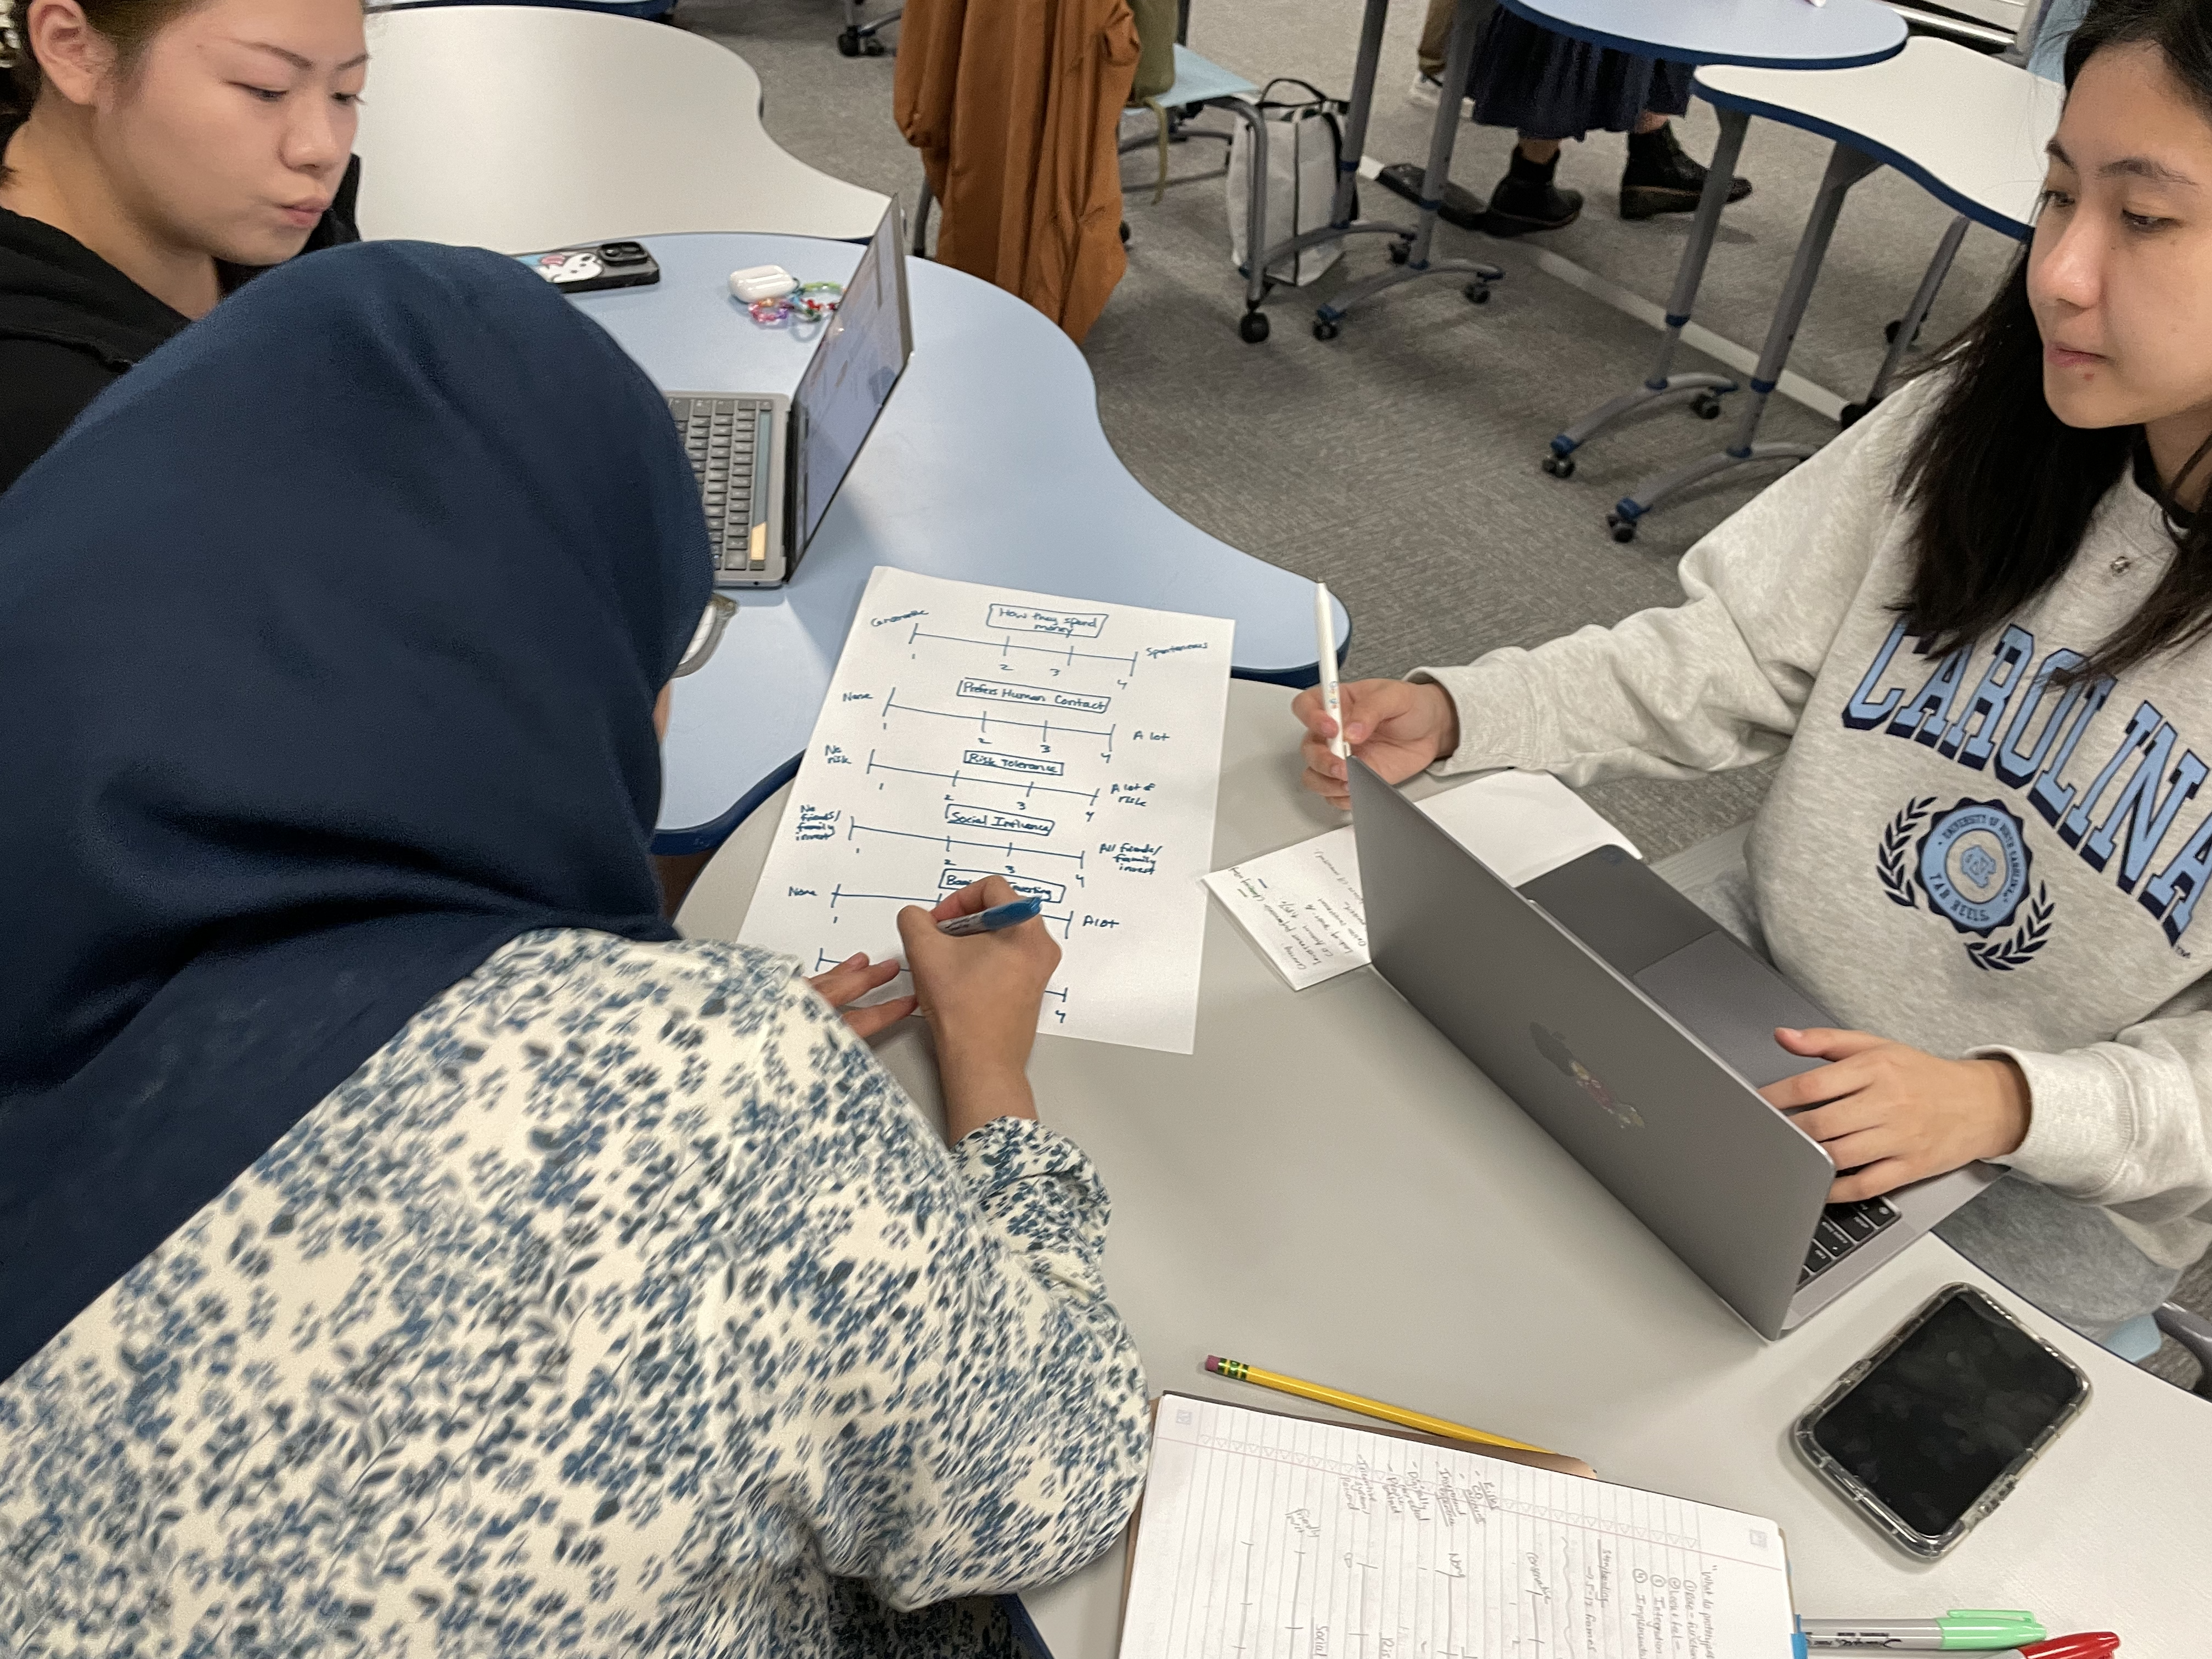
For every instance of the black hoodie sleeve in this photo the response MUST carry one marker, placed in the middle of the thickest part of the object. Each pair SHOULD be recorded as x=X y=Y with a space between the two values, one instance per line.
x=48 y=385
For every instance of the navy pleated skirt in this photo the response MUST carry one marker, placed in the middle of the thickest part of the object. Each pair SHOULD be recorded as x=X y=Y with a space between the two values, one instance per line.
x=1547 y=86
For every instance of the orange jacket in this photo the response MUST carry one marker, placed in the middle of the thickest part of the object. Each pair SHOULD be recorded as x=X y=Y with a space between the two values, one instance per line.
x=1014 y=106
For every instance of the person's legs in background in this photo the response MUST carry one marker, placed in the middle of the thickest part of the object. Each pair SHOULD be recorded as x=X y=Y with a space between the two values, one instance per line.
x=1550 y=88
x=1436 y=37
x=1659 y=177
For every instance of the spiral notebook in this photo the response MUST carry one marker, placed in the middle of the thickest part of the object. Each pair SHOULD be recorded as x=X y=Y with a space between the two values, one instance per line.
x=1263 y=1534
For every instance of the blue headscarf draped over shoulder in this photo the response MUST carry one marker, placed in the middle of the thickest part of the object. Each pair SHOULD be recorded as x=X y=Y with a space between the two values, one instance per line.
x=328 y=641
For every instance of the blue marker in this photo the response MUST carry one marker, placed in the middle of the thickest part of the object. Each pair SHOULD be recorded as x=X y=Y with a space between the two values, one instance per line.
x=997 y=916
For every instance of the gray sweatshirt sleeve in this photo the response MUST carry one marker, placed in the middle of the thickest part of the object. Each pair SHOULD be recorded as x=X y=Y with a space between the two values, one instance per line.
x=1717 y=681
x=2127 y=1124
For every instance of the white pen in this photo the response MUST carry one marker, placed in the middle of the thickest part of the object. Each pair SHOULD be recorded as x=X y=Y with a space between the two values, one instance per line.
x=1325 y=639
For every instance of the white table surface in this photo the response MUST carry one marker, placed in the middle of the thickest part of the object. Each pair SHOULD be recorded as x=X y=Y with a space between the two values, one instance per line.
x=1327 y=1188
x=988 y=464
x=527 y=127
x=1780 y=33
x=1966 y=126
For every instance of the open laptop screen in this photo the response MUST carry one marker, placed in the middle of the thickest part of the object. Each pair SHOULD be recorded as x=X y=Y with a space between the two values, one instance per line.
x=864 y=348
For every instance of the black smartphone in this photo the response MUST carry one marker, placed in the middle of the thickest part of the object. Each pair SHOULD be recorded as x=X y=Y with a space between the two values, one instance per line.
x=600 y=264
x=1928 y=1434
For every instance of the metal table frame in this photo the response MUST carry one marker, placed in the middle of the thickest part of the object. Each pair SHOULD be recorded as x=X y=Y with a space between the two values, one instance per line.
x=1410 y=252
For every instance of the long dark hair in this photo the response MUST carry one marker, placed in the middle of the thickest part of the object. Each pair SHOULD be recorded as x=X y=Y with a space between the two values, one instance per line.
x=2001 y=491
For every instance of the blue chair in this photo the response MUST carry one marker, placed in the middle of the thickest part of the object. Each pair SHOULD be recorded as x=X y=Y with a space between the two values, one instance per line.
x=1201 y=83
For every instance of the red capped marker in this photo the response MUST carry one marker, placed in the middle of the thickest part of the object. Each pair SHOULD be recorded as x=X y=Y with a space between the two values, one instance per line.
x=2086 y=1644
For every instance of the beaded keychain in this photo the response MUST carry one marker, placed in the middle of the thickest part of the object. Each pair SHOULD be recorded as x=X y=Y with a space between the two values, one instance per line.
x=811 y=300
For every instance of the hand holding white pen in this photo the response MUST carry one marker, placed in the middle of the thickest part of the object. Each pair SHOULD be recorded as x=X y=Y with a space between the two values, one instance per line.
x=1397 y=728
x=1325 y=643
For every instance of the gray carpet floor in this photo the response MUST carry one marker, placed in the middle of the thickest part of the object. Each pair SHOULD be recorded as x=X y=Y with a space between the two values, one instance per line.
x=1399 y=462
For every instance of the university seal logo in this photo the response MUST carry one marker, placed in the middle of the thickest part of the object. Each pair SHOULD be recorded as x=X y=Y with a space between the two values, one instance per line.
x=1972 y=864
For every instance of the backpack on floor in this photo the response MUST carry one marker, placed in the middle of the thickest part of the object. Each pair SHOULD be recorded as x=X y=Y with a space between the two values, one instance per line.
x=1305 y=142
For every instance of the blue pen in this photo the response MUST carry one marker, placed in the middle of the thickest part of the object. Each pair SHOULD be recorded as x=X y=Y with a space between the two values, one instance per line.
x=997 y=916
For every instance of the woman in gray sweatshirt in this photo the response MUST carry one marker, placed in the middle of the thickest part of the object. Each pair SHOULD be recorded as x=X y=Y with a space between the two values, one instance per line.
x=1975 y=628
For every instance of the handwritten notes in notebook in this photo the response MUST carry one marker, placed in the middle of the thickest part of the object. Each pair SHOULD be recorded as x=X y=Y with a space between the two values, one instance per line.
x=1071 y=746
x=1302 y=906
x=1269 y=1537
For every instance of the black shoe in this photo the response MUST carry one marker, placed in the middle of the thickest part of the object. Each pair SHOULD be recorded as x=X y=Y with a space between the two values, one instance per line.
x=1526 y=199
x=1660 y=179
x=1460 y=207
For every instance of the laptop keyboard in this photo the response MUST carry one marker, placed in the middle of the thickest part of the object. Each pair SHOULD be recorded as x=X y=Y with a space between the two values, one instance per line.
x=732 y=443
x=1843 y=1229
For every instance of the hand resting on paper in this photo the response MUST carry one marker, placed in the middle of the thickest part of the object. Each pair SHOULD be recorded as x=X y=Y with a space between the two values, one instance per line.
x=1395 y=726
x=1892 y=1115
x=853 y=979
x=980 y=993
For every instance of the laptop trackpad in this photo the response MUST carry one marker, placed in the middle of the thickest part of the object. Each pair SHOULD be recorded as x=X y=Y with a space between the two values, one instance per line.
x=1732 y=1001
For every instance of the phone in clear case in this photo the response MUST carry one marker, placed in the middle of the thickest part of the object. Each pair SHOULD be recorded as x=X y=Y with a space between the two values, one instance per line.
x=1929 y=1433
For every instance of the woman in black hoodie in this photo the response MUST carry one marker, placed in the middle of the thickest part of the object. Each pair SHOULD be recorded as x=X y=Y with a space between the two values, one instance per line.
x=154 y=154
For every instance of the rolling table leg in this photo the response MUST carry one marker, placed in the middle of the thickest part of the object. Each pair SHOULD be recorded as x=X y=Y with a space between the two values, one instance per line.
x=1661 y=382
x=1363 y=101
x=858 y=39
x=1415 y=262
x=1846 y=167
x=1908 y=327
x=1253 y=325
x=1341 y=223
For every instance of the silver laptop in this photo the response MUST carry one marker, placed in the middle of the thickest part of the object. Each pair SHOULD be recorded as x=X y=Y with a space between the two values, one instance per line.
x=1636 y=1030
x=769 y=466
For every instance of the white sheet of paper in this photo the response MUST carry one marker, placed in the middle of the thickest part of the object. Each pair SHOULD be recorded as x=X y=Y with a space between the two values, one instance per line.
x=1302 y=906
x=1269 y=1535
x=1071 y=746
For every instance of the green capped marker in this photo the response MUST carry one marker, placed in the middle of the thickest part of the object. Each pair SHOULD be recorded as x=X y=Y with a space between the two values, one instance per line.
x=1962 y=1627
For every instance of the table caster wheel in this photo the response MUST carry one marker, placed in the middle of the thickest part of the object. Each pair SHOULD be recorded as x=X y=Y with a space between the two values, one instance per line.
x=1325 y=330
x=1401 y=252
x=872 y=46
x=1705 y=406
x=1624 y=530
x=849 y=43
x=1252 y=327
x=1477 y=293
x=1560 y=466
x=1852 y=413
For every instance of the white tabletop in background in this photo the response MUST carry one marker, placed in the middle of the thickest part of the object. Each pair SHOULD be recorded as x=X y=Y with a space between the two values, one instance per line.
x=1328 y=1188
x=1966 y=126
x=1778 y=33
x=527 y=127
x=988 y=464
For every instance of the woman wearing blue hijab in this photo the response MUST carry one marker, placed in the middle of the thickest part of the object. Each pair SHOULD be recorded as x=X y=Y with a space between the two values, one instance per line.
x=407 y=1243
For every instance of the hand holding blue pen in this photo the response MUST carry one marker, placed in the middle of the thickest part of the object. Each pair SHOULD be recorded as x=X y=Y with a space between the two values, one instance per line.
x=991 y=920
x=982 y=995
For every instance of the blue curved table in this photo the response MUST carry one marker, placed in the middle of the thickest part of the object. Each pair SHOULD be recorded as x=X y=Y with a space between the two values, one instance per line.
x=988 y=464
x=1778 y=34
x=1765 y=34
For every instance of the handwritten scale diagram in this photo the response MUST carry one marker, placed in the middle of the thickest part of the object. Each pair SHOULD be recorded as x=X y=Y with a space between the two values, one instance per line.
x=1072 y=747
x=1270 y=1537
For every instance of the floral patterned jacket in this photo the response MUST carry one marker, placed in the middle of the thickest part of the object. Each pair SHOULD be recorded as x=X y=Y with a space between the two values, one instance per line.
x=620 y=1304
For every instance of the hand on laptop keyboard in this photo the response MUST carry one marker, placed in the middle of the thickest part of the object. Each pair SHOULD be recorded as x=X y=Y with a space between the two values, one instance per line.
x=1890 y=1114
